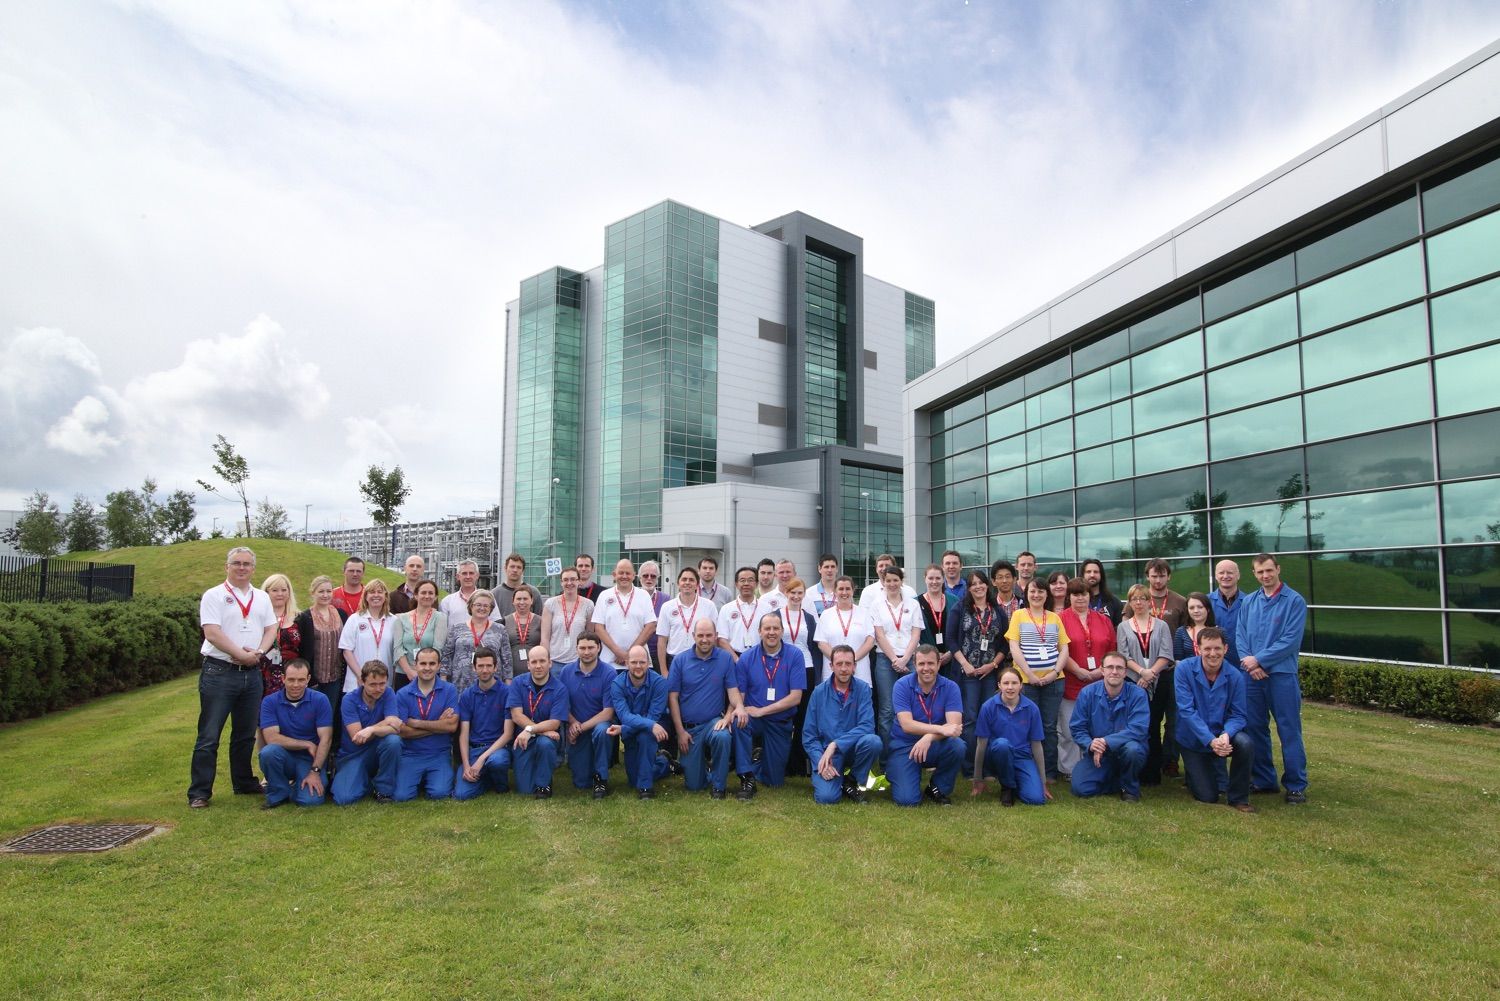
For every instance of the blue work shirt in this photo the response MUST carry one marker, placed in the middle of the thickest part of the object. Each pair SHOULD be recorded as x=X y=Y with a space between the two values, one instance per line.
x=702 y=684
x=485 y=712
x=540 y=702
x=412 y=704
x=759 y=676
x=1226 y=616
x=638 y=708
x=1020 y=726
x=1269 y=628
x=837 y=719
x=1125 y=717
x=297 y=720
x=1204 y=711
x=588 y=694
x=353 y=710
x=956 y=590
x=908 y=697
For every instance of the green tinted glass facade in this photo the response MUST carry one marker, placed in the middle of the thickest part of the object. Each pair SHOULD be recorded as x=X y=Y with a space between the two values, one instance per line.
x=870 y=509
x=1329 y=401
x=660 y=366
x=549 y=418
x=921 y=336
x=827 y=336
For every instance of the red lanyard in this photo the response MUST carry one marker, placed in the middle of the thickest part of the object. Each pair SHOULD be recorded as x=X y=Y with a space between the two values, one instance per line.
x=772 y=670
x=843 y=694
x=1088 y=635
x=425 y=710
x=479 y=635
x=567 y=618
x=926 y=709
x=1193 y=635
x=687 y=620
x=1144 y=639
x=244 y=605
x=745 y=619
x=984 y=623
x=936 y=610
x=532 y=701
x=626 y=604
x=1154 y=613
x=1041 y=630
x=377 y=633
x=419 y=631
x=895 y=618
x=787 y=615
x=846 y=626
x=523 y=629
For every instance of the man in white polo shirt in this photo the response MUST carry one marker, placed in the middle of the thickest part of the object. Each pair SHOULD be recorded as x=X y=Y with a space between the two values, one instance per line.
x=674 y=625
x=874 y=591
x=623 y=616
x=238 y=628
x=456 y=605
x=738 y=618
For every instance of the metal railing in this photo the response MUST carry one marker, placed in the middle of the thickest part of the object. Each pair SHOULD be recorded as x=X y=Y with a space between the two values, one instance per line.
x=27 y=578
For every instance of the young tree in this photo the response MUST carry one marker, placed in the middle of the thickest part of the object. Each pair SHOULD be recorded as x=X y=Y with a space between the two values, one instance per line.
x=384 y=493
x=82 y=526
x=174 y=518
x=152 y=508
x=271 y=521
x=232 y=468
x=39 y=529
x=125 y=521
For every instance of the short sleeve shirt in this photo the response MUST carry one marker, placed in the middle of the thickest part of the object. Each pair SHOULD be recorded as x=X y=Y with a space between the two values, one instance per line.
x=623 y=616
x=242 y=615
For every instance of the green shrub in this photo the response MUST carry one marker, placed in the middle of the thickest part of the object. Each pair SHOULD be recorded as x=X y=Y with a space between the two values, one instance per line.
x=57 y=655
x=1428 y=692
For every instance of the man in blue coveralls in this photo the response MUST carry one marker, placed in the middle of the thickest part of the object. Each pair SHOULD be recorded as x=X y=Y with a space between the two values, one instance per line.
x=702 y=695
x=928 y=733
x=484 y=732
x=1226 y=600
x=297 y=726
x=639 y=697
x=429 y=717
x=1268 y=634
x=539 y=709
x=1211 y=723
x=1109 y=725
x=590 y=712
x=371 y=752
x=771 y=677
x=839 y=732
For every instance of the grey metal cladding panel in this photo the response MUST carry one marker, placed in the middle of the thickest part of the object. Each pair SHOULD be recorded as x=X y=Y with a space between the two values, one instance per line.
x=731 y=469
x=772 y=331
x=802 y=475
x=1450 y=110
x=802 y=533
x=1311 y=184
x=1131 y=280
x=593 y=377
x=752 y=371
x=770 y=416
x=885 y=334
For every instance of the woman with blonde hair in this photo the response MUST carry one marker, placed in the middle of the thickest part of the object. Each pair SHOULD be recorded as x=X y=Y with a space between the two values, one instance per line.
x=318 y=632
x=1146 y=642
x=288 y=638
x=370 y=633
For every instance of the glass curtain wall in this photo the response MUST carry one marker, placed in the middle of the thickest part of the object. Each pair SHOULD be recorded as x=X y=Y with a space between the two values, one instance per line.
x=1336 y=402
x=827 y=337
x=870 y=512
x=549 y=419
x=659 y=406
x=921 y=336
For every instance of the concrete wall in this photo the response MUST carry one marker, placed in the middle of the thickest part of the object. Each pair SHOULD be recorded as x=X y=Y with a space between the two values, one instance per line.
x=752 y=371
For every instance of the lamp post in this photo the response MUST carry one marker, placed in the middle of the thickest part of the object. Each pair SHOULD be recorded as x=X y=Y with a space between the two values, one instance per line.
x=864 y=511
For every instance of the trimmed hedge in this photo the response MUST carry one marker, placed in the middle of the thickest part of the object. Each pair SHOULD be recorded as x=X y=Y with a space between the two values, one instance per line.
x=1428 y=692
x=56 y=655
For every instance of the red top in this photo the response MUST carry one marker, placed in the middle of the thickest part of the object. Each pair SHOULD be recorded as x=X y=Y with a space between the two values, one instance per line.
x=1095 y=641
x=348 y=602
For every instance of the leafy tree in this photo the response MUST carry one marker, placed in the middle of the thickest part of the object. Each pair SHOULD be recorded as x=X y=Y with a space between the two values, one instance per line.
x=152 y=508
x=174 y=518
x=39 y=530
x=82 y=526
x=384 y=493
x=271 y=521
x=125 y=521
x=232 y=468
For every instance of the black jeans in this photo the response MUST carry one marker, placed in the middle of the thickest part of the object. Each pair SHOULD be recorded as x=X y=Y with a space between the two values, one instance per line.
x=225 y=693
x=1161 y=746
x=1205 y=771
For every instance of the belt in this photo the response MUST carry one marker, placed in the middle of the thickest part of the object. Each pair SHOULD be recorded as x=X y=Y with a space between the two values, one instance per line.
x=220 y=661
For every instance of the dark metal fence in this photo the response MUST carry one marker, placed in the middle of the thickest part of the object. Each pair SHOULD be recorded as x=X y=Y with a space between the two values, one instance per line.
x=26 y=578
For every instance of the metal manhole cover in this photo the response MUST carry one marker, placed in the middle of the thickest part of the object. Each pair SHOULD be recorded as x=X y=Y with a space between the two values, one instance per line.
x=78 y=838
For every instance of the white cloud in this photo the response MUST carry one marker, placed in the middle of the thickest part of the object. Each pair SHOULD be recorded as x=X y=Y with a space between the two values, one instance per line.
x=81 y=432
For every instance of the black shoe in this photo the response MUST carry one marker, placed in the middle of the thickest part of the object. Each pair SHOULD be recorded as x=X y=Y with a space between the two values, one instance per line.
x=1264 y=790
x=1296 y=798
x=601 y=788
x=674 y=767
x=198 y=803
x=268 y=805
x=849 y=788
x=747 y=789
x=542 y=792
x=1170 y=770
x=645 y=794
x=255 y=790
x=932 y=793
x=856 y=795
x=1007 y=796
x=755 y=755
x=1130 y=797
x=718 y=793
x=381 y=797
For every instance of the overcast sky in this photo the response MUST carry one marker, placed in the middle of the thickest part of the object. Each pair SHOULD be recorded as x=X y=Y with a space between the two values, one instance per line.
x=298 y=224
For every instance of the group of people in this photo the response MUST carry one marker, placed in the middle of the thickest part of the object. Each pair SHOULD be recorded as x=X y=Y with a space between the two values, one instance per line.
x=1004 y=675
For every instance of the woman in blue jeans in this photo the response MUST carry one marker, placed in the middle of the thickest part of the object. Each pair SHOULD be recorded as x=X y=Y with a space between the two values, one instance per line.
x=978 y=653
x=1040 y=648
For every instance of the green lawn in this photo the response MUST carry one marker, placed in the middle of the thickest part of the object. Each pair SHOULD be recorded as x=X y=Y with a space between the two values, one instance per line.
x=190 y=568
x=1385 y=884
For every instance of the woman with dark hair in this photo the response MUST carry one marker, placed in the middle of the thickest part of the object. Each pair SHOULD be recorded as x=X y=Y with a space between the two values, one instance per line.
x=423 y=625
x=1057 y=592
x=1101 y=599
x=1041 y=652
x=1090 y=636
x=978 y=650
x=1010 y=744
x=1200 y=614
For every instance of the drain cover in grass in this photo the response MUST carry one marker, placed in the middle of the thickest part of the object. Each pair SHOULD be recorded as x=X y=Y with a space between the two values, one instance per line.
x=77 y=838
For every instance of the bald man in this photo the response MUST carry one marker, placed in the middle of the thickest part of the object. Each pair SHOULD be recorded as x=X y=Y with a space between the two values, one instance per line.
x=623 y=616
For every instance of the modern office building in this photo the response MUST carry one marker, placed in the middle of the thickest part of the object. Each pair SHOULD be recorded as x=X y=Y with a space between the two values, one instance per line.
x=710 y=389
x=1311 y=367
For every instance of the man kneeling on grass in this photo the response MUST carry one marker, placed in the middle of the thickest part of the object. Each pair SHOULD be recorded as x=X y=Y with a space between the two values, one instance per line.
x=297 y=726
x=539 y=709
x=1211 y=722
x=1109 y=725
x=371 y=750
x=839 y=733
x=429 y=712
x=639 y=697
x=928 y=733
x=484 y=732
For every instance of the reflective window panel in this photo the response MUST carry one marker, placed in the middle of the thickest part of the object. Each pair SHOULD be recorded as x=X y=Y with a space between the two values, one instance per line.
x=1410 y=636
x=1394 y=578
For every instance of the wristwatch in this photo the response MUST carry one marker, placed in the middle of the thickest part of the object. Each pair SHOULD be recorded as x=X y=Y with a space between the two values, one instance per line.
x=529 y=729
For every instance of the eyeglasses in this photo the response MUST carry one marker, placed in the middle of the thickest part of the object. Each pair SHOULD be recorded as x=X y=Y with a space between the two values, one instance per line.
x=241 y=563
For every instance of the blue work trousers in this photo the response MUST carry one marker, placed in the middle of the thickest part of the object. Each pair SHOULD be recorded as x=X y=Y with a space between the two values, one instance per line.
x=1016 y=769
x=775 y=745
x=709 y=750
x=376 y=763
x=494 y=775
x=644 y=764
x=905 y=775
x=430 y=773
x=285 y=770
x=1279 y=696
x=589 y=755
x=535 y=763
x=1119 y=770
x=1205 y=771
x=856 y=765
